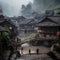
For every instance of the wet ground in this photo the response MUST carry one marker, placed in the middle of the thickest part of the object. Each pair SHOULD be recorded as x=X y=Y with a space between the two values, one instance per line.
x=33 y=56
x=33 y=49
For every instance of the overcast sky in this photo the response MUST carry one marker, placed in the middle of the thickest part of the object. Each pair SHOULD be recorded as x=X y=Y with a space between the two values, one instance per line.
x=12 y=7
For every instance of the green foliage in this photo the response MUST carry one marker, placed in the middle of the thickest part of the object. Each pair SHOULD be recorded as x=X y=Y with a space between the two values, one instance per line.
x=57 y=9
x=42 y=5
x=5 y=35
x=17 y=54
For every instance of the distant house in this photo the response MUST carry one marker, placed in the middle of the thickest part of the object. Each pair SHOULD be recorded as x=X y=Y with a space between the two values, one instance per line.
x=25 y=25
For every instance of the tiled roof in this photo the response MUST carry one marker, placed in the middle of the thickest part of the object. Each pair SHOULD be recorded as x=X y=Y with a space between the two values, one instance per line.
x=49 y=21
x=2 y=28
x=10 y=21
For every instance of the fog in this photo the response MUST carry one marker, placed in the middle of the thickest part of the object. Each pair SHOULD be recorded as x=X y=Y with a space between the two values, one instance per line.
x=13 y=7
x=42 y=5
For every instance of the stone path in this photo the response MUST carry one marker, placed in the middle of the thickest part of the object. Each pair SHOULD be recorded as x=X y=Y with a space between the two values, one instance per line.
x=41 y=56
x=33 y=49
x=35 y=57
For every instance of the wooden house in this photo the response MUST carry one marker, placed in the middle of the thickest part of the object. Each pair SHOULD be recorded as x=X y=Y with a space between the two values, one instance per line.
x=9 y=25
x=25 y=25
x=48 y=28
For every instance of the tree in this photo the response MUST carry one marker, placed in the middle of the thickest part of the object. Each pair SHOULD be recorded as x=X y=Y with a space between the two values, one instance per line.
x=42 y=5
x=1 y=11
x=26 y=9
x=57 y=9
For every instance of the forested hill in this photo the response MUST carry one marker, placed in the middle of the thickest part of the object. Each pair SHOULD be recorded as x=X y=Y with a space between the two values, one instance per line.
x=57 y=9
x=40 y=5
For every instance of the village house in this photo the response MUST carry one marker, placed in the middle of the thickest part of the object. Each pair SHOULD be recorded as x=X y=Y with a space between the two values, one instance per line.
x=24 y=25
x=9 y=25
x=48 y=29
x=9 y=42
x=49 y=26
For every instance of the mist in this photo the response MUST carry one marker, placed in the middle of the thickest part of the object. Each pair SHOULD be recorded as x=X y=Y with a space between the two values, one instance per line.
x=42 y=5
x=13 y=7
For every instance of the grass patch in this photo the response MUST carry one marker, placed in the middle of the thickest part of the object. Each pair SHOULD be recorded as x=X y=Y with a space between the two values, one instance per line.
x=27 y=36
